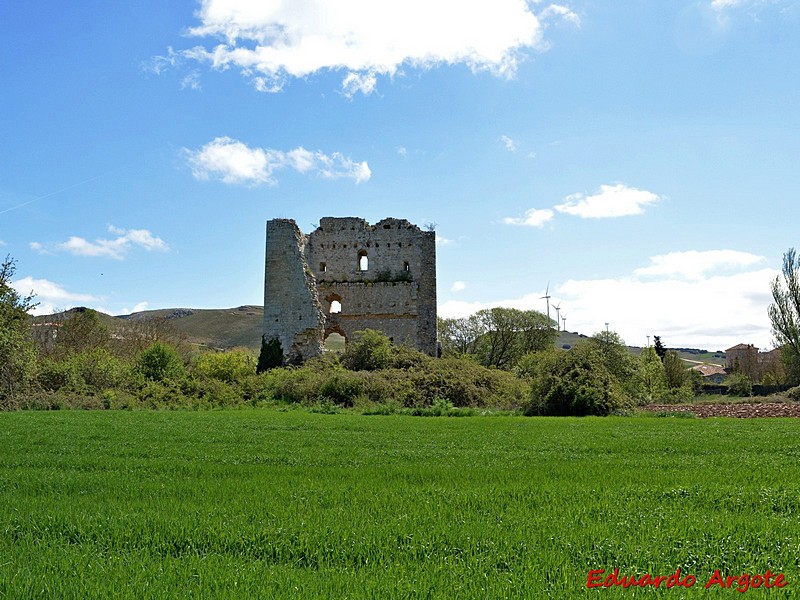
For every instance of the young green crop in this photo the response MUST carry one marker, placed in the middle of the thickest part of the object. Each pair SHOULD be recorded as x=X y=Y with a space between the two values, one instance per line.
x=268 y=504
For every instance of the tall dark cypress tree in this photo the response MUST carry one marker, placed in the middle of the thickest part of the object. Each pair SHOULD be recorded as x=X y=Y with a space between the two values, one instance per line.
x=661 y=350
x=271 y=355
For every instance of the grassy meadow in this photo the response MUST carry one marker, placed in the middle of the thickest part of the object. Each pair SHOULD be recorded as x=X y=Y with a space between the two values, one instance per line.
x=271 y=504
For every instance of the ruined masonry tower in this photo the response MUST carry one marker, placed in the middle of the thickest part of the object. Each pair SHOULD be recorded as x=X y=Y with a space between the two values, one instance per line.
x=347 y=276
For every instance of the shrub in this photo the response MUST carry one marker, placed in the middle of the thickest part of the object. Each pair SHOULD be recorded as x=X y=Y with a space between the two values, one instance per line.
x=89 y=371
x=341 y=387
x=229 y=367
x=573 y=383
x=160 y=362
x=793 y=393
x=58 y=374
x=100 y=370
x=371 y=351
x=739 y=384
x=465 y=383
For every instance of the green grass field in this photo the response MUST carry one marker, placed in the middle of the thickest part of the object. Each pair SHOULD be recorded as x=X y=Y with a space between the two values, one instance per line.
x=269 y=504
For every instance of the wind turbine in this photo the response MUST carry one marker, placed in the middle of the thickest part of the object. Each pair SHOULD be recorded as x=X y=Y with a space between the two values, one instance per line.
x=558 y=315
x=564 y=320
x=547 y=297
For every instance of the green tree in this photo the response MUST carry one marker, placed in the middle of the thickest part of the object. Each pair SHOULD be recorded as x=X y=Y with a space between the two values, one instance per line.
x=660 y=349
x=652 y=377
x=370 y=351
x=675 y=370
x=81 y=330
x=459 y=336
x=618 y=360
x=784 y=314
x=575 y=382
x=497 y=337
x=739 y=384
x=161 y=362
x=17 y=352
x=507 y=334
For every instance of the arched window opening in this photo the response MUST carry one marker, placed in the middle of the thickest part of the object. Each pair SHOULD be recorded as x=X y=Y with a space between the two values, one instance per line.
x=336 y=307
x=363 y=261
x=323 y=267
x=335 y=342
x=406 y=267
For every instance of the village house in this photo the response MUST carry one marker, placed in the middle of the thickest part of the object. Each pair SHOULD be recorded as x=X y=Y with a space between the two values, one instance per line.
x=711 y=373
x=747 y=359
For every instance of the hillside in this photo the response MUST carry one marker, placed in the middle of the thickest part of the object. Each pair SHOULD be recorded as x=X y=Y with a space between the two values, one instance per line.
x=214 y=328
x=241 y=327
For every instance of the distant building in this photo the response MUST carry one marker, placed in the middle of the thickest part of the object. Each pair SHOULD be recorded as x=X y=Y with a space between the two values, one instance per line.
x=44 y=335
x=711 y=373
x=741 y=357
x=745 y=358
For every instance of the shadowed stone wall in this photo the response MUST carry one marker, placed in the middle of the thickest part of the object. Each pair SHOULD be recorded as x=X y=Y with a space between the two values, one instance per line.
x=357 y=275
x=292 y=312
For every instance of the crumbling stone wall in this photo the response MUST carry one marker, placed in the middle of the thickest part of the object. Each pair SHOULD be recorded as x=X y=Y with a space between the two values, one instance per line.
x=292 y=312
x=358 y=276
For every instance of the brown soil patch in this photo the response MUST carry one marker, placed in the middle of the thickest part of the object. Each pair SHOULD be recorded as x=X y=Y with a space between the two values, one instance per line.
x=739 y=410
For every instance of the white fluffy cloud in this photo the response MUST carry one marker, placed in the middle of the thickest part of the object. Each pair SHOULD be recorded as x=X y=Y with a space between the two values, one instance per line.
x=532 y=218
x=270 y=42
x=717 y=305
x=50 y=296
x=617 y=200
x=458 y=286
x=694 y=264
x=233 y=162
x=117 y=248
x=509 y=144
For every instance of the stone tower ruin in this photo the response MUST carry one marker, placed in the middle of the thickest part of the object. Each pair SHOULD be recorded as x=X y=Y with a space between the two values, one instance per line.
x=347 y=276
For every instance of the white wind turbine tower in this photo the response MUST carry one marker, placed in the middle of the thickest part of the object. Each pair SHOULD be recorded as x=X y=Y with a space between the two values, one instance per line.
x=547 y=297
x=564 y=320
x=558 y=315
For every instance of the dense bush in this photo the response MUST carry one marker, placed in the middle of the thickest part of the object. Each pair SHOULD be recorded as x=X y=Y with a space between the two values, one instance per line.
x=93 y=370
x=160 y=362
x=573 y=383
x=369 y=352
x=739 y=384
x=460 y=382
x=793 y=393
x=465 y=383
x=225 y=366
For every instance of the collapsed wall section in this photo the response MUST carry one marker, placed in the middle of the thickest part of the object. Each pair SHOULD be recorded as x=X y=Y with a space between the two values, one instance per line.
x=292 y=311
x=380 y=276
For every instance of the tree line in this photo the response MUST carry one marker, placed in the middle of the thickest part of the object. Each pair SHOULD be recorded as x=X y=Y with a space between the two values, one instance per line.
x=495 y=358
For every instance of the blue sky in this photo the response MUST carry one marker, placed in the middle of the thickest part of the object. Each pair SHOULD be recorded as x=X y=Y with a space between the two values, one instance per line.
x=639 y=157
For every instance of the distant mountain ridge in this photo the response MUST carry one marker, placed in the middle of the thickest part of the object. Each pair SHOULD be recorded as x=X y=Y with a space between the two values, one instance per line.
x=240 y=327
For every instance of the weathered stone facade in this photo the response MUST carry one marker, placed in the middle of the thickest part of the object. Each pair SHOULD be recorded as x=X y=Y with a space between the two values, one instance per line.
x=347 y=276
